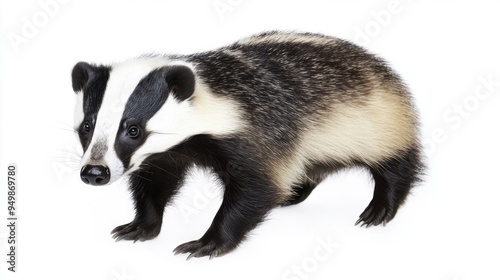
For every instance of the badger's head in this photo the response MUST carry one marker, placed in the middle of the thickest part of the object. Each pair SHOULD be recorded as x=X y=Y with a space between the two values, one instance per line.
x=126 y=112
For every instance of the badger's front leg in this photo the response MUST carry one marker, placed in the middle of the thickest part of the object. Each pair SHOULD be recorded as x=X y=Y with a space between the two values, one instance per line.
x=152 y=187
x=247 y=199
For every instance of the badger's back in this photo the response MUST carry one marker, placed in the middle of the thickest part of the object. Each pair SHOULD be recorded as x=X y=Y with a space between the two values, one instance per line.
x=312 y=100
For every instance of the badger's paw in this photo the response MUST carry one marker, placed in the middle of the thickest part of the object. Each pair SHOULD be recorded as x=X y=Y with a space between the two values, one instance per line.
x=376 y=214
x=136 y=232
x=201 y=248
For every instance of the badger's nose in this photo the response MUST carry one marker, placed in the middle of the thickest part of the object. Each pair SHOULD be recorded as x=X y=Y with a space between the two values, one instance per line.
x=96 y=175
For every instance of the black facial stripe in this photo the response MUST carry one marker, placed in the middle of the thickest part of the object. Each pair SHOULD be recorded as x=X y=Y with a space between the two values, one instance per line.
x=92 y=80
x=146 y=99
x=93 y=91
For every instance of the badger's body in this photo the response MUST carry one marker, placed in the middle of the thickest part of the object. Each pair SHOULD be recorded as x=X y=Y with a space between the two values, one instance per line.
x=272 y=115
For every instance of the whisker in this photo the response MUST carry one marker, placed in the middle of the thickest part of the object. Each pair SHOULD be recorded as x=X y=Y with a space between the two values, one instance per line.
x=164 y=170
x=74 y=170
x=67 y=151
x=142 y=177
x=66 y=159
x=146 y=170
x=66 y=127
x=162 y=132
x=67 y=156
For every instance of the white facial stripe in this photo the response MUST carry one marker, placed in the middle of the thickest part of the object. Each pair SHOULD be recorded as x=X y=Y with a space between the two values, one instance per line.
x=79 y=115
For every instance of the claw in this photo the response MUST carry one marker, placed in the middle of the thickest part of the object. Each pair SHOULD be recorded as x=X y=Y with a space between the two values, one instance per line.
x=213 y=255
x=189 y=257
x=375 y=214
x=135 y=232
x=201 y=248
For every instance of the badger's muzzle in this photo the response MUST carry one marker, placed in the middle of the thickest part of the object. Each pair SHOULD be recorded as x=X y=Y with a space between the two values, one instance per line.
x=96 y=175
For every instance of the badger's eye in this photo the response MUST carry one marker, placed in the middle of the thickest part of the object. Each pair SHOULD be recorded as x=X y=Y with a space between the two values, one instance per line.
x=87 y=127
x=133 y=131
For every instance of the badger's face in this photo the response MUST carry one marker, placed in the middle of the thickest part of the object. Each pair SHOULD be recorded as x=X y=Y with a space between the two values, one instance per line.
x=125 y=113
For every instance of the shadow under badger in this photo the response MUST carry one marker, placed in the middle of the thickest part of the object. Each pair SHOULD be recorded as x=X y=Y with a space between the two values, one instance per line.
x=287 y=109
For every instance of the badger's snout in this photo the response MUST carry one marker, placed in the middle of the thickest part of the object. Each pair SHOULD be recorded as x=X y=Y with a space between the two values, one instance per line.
x=96 y=175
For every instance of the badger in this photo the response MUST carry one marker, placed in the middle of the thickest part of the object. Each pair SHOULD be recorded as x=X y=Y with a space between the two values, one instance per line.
x=271 y=115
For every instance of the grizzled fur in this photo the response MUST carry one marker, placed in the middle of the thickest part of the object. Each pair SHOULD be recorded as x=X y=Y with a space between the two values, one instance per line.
x=286 y=108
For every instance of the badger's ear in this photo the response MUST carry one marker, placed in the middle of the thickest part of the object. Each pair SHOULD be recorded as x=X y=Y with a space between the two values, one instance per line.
x=180 y=80
x=81 y=74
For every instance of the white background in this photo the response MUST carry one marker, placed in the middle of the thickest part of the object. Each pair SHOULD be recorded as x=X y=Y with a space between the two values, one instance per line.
x=448 y=230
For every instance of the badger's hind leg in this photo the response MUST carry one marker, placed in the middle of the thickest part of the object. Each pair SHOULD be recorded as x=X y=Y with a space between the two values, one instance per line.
x=314 y=175
x=300 y=192
x=393 y=180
